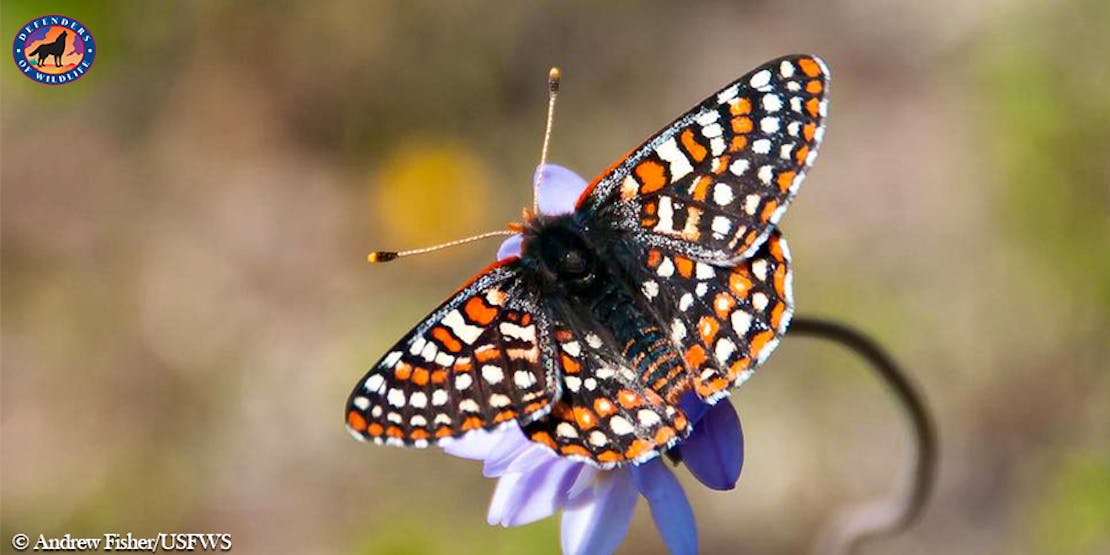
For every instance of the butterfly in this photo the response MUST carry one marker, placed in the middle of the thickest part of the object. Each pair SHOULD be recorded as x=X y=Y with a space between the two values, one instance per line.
x=669 y=278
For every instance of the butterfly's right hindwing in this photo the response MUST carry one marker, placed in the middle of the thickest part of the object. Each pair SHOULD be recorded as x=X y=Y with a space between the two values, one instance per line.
x=476 y=362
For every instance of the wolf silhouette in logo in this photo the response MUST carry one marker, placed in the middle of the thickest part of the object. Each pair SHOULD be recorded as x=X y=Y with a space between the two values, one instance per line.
x=55 y=49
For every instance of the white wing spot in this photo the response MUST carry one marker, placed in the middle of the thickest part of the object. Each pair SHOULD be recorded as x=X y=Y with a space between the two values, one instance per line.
x=772 y=102
x=761 y=79
x=418 y=399
x=769 y=124
x=361 y=402
x=620 y=425
x=396 y=397
x=439 y=397
x=762 y=146
x=492 y=374
x=463 y=381
x=722 y=194
x=524 y=379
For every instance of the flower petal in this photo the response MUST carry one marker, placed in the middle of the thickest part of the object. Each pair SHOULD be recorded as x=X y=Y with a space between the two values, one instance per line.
x=478 y=443
x=714 y=452
x=692 y=406
x=509 y=247
x=541 y=492
x=598 y=522
x=669 y=507
x=505 y=499
x=558 y=192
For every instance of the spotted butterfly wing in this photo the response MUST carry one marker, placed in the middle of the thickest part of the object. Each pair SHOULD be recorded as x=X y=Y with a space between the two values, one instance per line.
x=479 y=360
x=607 y=415
x=713 y=184
x=727 y=320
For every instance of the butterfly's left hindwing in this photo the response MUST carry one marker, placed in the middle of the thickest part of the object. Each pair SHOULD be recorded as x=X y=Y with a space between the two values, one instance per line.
x=476 y=362
x=715 y=182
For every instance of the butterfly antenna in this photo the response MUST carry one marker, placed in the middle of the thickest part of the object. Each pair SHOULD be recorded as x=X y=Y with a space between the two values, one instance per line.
x=378 y=257
x=553 y=78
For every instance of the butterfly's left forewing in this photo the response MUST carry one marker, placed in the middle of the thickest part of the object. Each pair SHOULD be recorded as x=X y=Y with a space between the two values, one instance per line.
x=479 y=360
x=714 y=183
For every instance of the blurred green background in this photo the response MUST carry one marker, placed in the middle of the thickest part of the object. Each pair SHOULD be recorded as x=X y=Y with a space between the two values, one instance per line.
x=186 y=303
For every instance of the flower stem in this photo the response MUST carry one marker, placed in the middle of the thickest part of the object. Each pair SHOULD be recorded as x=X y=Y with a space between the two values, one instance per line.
x=872 y=519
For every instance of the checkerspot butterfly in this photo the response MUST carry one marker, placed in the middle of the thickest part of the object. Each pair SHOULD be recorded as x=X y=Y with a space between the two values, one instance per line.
x=669 y=277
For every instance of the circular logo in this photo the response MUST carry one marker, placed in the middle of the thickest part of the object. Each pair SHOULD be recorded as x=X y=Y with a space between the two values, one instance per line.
x=54 y=49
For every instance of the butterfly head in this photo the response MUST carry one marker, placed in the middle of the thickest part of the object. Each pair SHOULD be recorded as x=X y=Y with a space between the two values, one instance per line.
x=560 y=253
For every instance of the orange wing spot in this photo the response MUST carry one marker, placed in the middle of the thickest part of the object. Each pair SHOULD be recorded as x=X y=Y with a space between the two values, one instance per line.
x=695 y=356
x=356 y=421
x=487 y=354
x=610 y=457
x=653 y=397
x=649 y=208
x=776 y=315
x=585 y=418
x=708 y=328
x=697 y=152
x=664 y=435
x=651 y=175
x=814 y=87
x=394 y=431
x=441 y=334
x=638 y=447
x=629 y=399
x=604 y=407
x=809 y=130
x=505 y=415
x=739 y=284
x=533 y=407
x=780 y=281
x=443 y=432
x=768 y=210
x=680 y=420
x=402 y=372
x=564 y=335
x=738 y=367
x=472 y=423
x=813 y=106
x=742 y=124
x=684 y=265
x=700 y=189
x=526 y=319
x=419 y=434
x=374 y=430
x=570 y=366
x=420 y=376
x=785 y=179
x=574 y=450
x=562 y=411
x=800 y=155
x=654 y=258
x=740 y=107
x=478 y=313
x=760 y=341
x=720 y=164
x=809 y=67
x=464 y=366
x=544 y=438
x=723 y=304
x=439 y=376
x=738 y=143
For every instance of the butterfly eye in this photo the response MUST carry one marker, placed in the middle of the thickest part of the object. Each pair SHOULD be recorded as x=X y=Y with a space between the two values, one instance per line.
x=574 y=263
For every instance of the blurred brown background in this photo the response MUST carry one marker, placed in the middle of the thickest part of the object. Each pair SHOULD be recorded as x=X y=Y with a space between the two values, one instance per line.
x=186 y=303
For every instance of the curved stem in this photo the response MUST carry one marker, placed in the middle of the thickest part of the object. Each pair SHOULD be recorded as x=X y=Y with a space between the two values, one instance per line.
x=887 y=516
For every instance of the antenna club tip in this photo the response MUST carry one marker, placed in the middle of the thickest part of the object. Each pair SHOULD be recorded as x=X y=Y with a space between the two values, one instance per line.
x=378 y=257
x=553 y=78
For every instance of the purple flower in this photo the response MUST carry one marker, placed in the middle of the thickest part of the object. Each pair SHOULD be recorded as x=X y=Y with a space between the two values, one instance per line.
x=535 y=483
